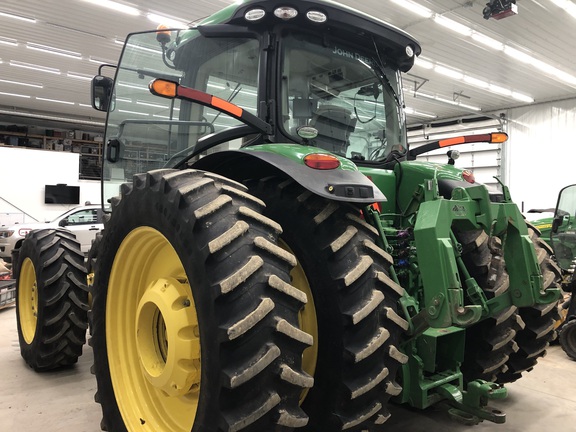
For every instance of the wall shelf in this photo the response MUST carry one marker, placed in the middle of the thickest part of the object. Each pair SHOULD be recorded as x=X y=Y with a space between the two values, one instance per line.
x=90 y=151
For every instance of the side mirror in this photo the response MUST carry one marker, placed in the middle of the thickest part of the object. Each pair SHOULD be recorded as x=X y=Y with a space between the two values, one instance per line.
x=102 y=99
x=63 y=223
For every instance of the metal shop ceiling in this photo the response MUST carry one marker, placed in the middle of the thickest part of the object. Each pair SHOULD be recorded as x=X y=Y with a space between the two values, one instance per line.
x=469 y=65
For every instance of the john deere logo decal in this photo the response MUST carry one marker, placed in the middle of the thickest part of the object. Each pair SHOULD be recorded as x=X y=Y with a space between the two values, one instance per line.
x=544 y=226
x=459 y=210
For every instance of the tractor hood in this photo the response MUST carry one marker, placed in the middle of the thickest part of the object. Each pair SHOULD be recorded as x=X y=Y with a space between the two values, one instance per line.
x=448 y=176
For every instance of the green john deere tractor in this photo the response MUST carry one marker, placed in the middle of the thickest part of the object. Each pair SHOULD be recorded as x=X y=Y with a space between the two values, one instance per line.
x=276 y=258
x=560 y=232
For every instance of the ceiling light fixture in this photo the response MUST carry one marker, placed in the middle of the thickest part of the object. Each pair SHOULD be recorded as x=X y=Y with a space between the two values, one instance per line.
x=115 y=6
x=453 y=25
x=499 y=90
x=99 y=61
x=522 y=97
x=476 y=82
x=488 y=41
x=540 y=65
x=53 y=50
x=15 y=95
x=8 y=41
x=47 y=117
x=567 y=5
x=135 y=112
x=21 y=83
x=456 y=74
x=169 y=22
x=564 y=76
x=133 y=86
x=34 y=67
x=152 y=105
x=143 y=48
x=81 y=76
x=523 y=57
x=412 y=111
x=216 y=86
x=54 y=101
x=517 y=54
x=425 y=64
x=415 y=8
x=449 y=72
x=456 y=103
x=18 y=17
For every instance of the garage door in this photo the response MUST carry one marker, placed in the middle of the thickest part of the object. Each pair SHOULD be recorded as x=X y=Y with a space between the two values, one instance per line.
x=484 y=160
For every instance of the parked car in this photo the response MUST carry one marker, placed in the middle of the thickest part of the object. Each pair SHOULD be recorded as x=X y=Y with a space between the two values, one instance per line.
x=84 y=221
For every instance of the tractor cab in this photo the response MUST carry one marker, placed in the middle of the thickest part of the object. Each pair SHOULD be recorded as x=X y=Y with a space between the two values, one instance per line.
x=312 y=76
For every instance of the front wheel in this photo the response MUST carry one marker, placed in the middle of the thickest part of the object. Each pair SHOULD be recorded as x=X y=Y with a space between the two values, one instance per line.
x=51 y=299
x=195 y=323
x=538 y=321
x=490 y=342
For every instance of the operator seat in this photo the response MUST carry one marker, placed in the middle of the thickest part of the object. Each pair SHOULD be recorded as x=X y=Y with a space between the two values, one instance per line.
x=334 y=125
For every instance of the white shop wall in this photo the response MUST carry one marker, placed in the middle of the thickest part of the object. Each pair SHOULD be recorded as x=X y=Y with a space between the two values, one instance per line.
x=23 y=175
x=541 y=152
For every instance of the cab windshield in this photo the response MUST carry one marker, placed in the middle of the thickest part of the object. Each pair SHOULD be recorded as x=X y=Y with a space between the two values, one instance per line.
x=348 y=96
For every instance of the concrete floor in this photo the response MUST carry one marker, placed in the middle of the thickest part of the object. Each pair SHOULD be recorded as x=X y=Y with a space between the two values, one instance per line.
x=62 y=401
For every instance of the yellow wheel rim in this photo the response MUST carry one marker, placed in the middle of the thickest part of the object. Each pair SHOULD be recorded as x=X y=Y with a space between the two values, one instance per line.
x=152 y=335
x=28 y=300
x=306 y=318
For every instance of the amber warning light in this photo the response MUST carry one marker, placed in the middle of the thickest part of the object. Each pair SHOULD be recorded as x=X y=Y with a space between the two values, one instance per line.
x=171 y=90
x=321 y=161
x=163 y=88
x=492 y=138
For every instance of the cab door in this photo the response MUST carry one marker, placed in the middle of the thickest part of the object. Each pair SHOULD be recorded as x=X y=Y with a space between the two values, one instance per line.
x=563 y=233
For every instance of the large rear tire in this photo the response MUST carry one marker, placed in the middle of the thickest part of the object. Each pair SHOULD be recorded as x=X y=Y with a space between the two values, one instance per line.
x=195 y=323
x=352 y=307
x=51 y=299
x=537 y=322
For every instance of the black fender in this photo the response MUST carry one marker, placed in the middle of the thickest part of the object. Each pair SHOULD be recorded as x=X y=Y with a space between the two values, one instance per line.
x=446 y=186
x=335 y=184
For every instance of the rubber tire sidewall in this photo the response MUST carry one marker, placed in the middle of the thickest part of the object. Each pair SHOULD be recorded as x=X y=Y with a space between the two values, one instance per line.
x=294 y=207
x=154 y=209
x=568 y=339
x=35 y=352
